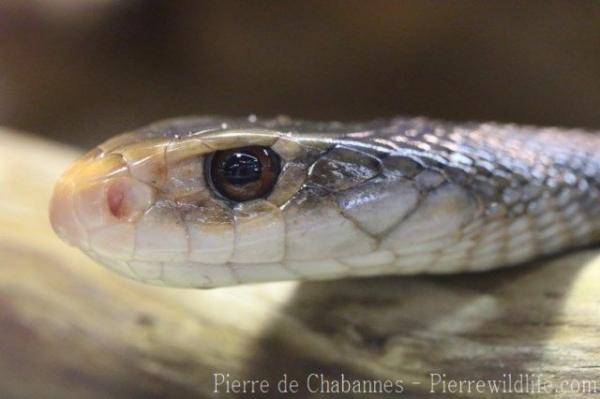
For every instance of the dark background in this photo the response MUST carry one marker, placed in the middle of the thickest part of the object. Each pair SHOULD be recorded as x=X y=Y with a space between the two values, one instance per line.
x=80 y=71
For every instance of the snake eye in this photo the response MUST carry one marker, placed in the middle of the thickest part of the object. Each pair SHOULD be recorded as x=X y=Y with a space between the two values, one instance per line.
x=243 y=174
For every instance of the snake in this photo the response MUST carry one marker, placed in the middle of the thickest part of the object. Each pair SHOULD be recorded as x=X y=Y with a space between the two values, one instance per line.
x=210 y=201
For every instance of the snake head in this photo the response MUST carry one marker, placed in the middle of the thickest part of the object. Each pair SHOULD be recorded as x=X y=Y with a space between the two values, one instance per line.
x=207 y=202
x=195 y=203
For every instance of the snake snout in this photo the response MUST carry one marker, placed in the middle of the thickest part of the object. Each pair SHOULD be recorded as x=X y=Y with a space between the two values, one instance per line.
x=62 y=215
x=95 y=196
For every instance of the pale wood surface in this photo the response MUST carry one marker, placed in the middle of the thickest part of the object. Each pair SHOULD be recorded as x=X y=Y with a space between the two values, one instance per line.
x=70 y=329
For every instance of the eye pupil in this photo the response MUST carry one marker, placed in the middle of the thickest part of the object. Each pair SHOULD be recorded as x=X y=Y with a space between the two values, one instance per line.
x=243 y=174
x=241 y=168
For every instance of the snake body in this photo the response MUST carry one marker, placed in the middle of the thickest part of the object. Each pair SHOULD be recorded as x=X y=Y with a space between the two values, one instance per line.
x=395 y=196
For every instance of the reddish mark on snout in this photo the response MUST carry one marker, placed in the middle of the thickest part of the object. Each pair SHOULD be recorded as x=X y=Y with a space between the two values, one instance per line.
x=116 y=200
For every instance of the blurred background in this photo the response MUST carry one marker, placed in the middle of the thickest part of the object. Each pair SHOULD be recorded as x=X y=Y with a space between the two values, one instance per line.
x=80 y=71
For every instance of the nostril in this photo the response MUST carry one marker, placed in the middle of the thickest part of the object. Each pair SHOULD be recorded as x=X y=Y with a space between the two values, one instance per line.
x=115 y=198
x=127 y=198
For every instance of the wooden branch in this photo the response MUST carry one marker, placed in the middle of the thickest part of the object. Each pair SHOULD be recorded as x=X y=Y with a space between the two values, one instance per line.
x=70 y=329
